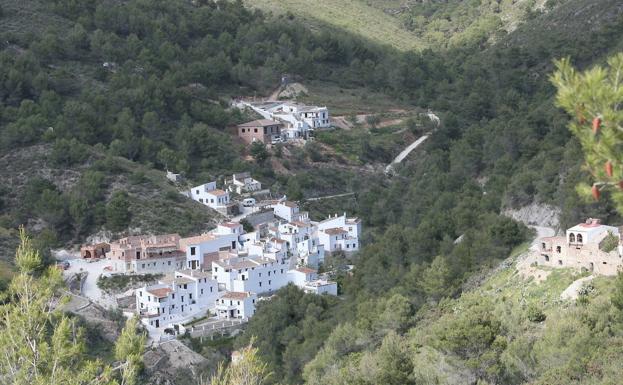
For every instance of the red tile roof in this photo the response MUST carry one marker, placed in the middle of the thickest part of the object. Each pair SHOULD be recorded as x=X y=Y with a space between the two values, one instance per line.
x=160 y=293
x=335 y=231
x=306 y=270
x=236 y=295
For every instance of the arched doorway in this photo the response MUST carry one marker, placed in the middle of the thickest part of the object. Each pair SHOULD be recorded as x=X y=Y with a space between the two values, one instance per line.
x=87 y=254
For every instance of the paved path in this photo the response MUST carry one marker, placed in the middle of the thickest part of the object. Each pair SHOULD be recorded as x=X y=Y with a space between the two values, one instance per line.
x=330 y=196
x=405 y=152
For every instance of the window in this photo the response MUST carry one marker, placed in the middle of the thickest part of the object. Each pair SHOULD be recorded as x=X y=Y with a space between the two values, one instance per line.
x=579 y=238
x=560 y=262
x=255 y=130
x=192 y=251
x=260 y=284
x=558 y=250
x=190 y=295
x=143 y=265
x=169 y=263
x=196 y=191
x=270 y=282
x=173 y=295
x=202 y=291
x=546 y=258
x=281 y=271
x=571 y=238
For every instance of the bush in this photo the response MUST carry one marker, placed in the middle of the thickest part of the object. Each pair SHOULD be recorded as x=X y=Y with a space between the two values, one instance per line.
x=609 y=243
x=535 y=314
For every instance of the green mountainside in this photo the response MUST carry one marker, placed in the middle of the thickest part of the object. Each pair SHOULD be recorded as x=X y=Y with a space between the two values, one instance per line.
x=98 y=99
x=406 y=24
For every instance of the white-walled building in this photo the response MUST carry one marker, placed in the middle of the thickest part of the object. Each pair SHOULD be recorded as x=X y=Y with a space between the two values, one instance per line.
x=235 y=304
x=299 y=120
x=339 y=233
x=176 y=298
x=290 y=211
x=209 y=195
x=320 y=287
x=201 y=250
x=255 y=274
x=243 y=183
x=301 y=275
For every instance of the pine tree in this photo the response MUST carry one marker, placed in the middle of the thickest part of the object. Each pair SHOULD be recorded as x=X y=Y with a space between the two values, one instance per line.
x=594 y=99
x=249 y=370
x=40 y=345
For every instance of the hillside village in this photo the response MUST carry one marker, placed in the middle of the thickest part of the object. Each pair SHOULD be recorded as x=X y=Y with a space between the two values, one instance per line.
x=282 y=121
x=222 y=274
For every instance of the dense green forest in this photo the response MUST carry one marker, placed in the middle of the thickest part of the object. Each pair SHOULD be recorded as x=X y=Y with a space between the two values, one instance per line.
x=122 y=88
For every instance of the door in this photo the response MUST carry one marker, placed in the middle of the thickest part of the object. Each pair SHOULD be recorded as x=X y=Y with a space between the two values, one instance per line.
x=157 y=323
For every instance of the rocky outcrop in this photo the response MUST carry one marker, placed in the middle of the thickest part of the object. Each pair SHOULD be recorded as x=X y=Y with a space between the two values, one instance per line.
x=535 y=214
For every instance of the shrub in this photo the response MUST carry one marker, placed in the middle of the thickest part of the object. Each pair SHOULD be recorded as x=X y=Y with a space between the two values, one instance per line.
x=535 y=314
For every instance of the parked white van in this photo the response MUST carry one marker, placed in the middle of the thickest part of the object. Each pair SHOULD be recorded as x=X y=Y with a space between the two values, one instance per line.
x=248 y=202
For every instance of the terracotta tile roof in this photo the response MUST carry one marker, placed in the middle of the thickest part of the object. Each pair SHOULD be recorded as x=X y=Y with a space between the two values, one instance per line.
x=290 y=204
x=197 y=239
x=306 y=270
x=160 y=293
x=218 y=192
x=236 y=295
x=335 y=231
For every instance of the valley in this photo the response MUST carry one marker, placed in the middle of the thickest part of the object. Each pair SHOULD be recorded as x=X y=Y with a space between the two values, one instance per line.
x=432 y=167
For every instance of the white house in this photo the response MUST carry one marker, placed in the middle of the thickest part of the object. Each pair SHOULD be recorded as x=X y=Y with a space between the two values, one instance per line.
x=209 y=195
x=256 y=274
x=290 y=212
x=235 y=304
x=301 y=275
x=243 y=183
x=588 y=232
x=299 y=120
x=201 y=250
x=176 y=298
x=320 y=287
x=339 y=233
